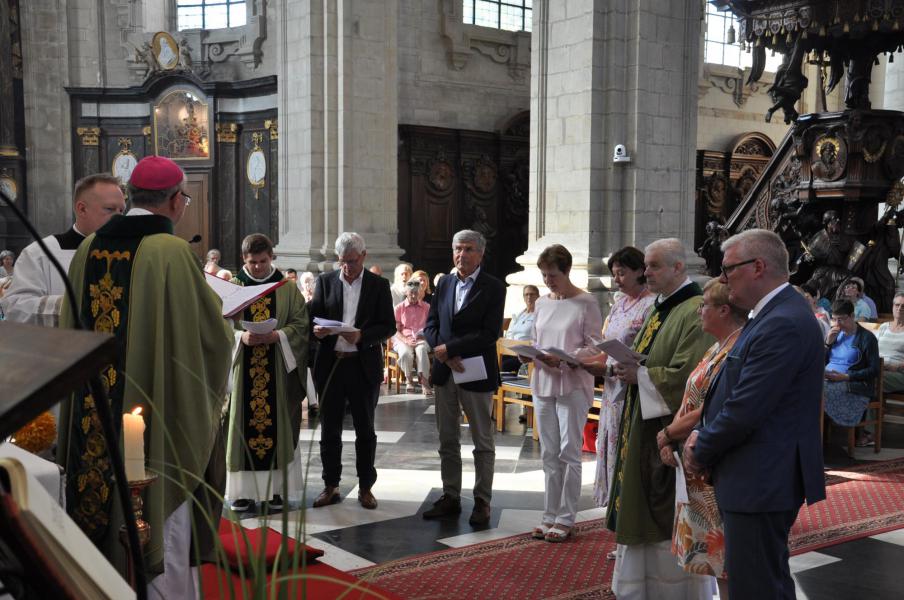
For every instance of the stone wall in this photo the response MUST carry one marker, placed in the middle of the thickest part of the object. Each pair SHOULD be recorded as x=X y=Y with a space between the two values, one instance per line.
x=458 y=76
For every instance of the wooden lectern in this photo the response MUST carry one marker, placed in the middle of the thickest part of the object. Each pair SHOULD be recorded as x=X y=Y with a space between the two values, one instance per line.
x=38 y=367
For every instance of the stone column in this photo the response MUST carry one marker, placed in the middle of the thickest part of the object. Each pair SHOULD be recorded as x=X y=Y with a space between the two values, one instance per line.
x=48 y=137
x=608 y=72
x=338 y=105
x=7 y=105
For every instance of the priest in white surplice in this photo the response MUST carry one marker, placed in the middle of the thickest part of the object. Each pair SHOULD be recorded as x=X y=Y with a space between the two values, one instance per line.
x=37 y=289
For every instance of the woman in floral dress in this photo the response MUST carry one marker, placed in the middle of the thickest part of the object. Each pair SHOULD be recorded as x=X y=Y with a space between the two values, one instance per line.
x=624 y=321
x=697 y=538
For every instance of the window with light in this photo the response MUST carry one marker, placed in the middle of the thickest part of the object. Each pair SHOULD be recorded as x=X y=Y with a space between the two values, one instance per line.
x=719 y=42
x=512 y=15
x=210 y=14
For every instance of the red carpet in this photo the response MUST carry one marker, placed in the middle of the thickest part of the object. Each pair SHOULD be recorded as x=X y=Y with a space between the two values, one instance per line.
x=312 y=581
x=861 y=501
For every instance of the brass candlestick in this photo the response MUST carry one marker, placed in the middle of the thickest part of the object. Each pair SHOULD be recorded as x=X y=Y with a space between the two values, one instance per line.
x=136 y=487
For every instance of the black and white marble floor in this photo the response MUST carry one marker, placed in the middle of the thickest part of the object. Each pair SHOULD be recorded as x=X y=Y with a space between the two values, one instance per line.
x=409 y=481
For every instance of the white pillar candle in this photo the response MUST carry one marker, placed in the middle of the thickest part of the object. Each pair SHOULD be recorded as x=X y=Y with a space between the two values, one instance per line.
x=133 y=444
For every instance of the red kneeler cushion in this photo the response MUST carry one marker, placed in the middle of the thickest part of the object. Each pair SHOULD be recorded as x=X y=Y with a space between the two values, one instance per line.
x=233 y=538
x=312 y=581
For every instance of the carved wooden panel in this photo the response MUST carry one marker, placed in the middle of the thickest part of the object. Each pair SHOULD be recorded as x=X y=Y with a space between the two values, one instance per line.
x=725 y=177
x=451 y=180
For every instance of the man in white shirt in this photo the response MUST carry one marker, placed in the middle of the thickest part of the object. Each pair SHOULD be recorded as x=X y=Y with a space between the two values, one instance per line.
x=37 y=289
x=348 y=367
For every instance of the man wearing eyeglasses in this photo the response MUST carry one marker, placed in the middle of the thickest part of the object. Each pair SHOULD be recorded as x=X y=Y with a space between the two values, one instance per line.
x=641 y=508
x=348 y=366
x=135 y=280
x=759 y=437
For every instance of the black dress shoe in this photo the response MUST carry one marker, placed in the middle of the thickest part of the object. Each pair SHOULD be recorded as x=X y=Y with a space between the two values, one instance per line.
x=276 y=503
x=480 y=516
x=367 y=500
x=242 y=505
x=329 y=495
x=446 y=506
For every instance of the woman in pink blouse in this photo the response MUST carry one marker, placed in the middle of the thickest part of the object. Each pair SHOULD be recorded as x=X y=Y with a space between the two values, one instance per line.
x=568 y=319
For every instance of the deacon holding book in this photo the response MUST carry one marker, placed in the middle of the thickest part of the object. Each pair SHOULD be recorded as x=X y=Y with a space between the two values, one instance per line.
x=137 y=281
x=642 y=497
x=268 y=384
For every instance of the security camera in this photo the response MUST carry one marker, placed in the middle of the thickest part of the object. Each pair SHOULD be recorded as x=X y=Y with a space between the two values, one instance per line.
x=621 y=154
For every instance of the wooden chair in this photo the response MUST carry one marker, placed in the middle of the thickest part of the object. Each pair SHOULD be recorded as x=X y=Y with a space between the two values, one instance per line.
x=876 y=404
x=515 y=390
x=393 y=372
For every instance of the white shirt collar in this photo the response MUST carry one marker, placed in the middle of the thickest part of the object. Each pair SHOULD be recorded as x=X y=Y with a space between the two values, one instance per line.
x=765 y=300
x=357 y=280
x=687 y=281
x=75 y=229
x=253 y=278
x=135 y=211
x=472 y=276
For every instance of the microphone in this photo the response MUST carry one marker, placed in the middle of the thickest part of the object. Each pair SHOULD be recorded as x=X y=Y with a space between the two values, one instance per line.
x=195 y=239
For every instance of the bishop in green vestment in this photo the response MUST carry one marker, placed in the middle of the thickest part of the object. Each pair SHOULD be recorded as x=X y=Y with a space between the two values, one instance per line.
x=134 y=279
x=268 y=385
x=641 y=507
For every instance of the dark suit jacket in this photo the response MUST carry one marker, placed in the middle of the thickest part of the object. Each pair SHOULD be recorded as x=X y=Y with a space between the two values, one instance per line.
x=760 y=433
x=374 y=318
x=472 y=331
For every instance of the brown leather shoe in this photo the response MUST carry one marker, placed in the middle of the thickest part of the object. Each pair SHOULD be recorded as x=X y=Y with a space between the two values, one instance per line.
x=329 y=495
x=446 y=506
x=367 y=500
x=480 y=516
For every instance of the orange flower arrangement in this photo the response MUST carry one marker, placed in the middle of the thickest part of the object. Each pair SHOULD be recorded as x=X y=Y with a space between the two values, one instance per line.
x=38 y=435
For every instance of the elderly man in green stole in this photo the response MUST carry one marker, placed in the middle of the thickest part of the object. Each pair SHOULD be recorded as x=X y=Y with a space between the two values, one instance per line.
x=642 y=499
x=134 y=279
x=268 y=385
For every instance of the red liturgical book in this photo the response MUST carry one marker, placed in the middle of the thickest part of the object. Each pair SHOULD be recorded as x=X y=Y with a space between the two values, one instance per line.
x=237 y=298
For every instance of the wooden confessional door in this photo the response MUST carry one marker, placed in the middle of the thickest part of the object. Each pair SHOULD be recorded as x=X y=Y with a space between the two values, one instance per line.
x=196 y=220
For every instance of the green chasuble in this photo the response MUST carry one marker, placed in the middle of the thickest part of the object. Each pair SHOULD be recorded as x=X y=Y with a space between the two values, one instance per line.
x=137 y=281
x=642 y=499
x=265 y=407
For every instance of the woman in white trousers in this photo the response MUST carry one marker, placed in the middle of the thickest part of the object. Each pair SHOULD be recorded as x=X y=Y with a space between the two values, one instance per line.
x=567 y=319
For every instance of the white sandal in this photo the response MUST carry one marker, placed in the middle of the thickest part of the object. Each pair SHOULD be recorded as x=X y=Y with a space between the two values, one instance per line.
x=559 y=533
x=539 y=533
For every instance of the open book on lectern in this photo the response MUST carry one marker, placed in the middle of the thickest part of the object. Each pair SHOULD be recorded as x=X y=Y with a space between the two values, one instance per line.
x=44 y=538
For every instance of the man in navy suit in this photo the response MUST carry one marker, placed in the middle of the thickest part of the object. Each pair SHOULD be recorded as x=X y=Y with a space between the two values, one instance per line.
x=760 y=435
x=465 y=320
x=348 y=368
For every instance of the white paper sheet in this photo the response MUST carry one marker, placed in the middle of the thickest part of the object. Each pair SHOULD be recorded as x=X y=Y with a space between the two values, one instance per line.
x=680 y=481
x=620 y=352
x=526 y=351
x=334 y=327
x=651 y=403
x=562 y=355
x=259 y=327
x=475 y=370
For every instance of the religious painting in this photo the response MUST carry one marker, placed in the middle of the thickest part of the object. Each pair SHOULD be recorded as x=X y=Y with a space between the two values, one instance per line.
x=181 y=126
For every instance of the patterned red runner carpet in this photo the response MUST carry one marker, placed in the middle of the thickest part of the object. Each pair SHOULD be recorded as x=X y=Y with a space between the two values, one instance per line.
x=861 y=501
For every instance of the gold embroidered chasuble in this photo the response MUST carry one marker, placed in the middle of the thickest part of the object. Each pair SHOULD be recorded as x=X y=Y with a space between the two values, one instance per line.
x=136 y=280
x=265 y=406
x=642 y=498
